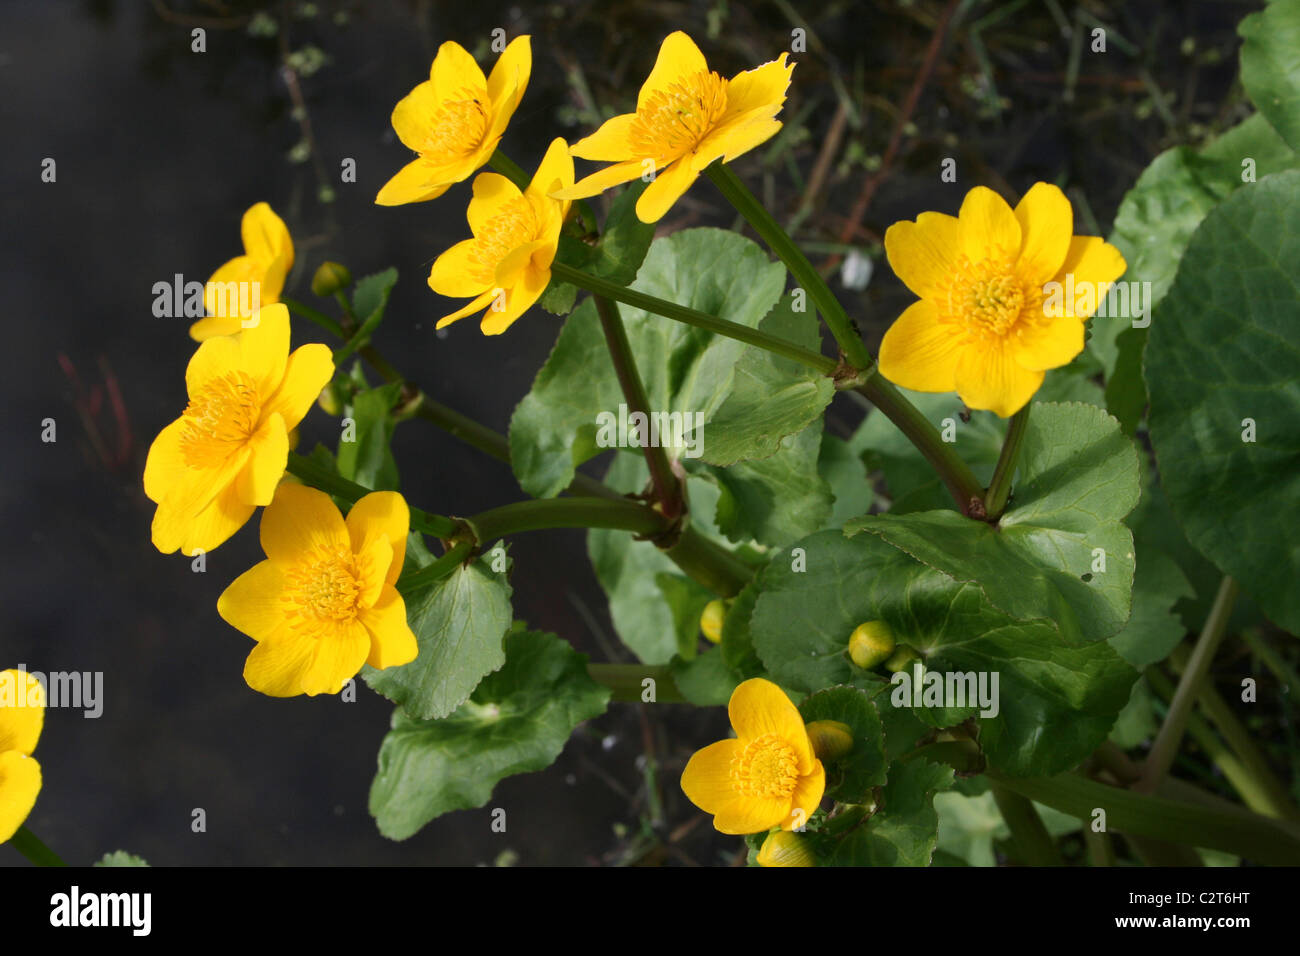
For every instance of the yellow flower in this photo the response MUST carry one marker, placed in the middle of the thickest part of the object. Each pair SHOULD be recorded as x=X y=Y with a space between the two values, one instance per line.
x=686 y=117
x=22 y=713
x=224 y=456
x=767 y=776
x=507 y=265
x=455 y=119
x=324 y=601
x=985 y=326
x=247 y=282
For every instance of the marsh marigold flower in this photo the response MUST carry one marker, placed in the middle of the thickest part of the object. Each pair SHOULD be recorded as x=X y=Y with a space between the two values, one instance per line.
x=686 y=117
x=324 y=601
x=22 y=713
x=767 y=776
x=455 y=119
x=224 y=456
x=507 y=265
x=247 y=282
x=984 y=326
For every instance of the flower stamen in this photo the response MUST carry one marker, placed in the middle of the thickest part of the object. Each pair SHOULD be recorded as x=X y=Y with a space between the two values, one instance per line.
x=674 y=121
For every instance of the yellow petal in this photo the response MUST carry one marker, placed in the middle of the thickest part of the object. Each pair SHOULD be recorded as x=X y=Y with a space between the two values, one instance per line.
x=308 y=370
x=300 y=520
x=1092 y=261
x=268 y=455
x=227 y=289
x=706 y=781
x=743 y=815
x=338 y=657
x=510 y=269
x=264 y=347
x=919 y=353
x=492 y=193
x=989 y=227
x=373 y=559
x=211 y=526
x=20 y=783
x=453 y=70
x=759 y=707
x=214 y=325
x=1046 y=224
x=609 y=143
x=734 y=140
x=990 y=378
x=678 y=57
x=483 y=301
x=392 y=643
x=509 y=77
x=554 y=172
x=413 y=114
x=22 y=711
x=265 y=235
x=451 y=273
x=211 y=360
x=667 y=188
x=252 y=602
x=518 y=299
x=763 y=87
x=277 y=664
x=381 y=514
x=417 y=181
x=925 y=254
x=1048 y=344
x=165 y=465
x=807 y=796
x=602 y=179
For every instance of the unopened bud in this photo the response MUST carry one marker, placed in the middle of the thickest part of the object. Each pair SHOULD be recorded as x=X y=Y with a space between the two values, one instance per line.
x=871 y=644
x=330 y=278
x=330 y=400
x=711 y=620
x=831 y=739
x=900 y=659
x=784 y=848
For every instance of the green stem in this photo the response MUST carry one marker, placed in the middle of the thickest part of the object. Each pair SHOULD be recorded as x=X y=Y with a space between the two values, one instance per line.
x=1000 y=487
x=1034 y=843
x=436 y=570
x=30 y=845
x=508 y=168
x=708 y=563
x=1101 y=851
x=541 y=514
x=1272 y=659
x=624 y=680
x=837 y=320
x=1161 y=757
x=359 y=338
x=956 y=475
x=668 y=491
x=681 y=313
x=313 y=316
x=318 y=477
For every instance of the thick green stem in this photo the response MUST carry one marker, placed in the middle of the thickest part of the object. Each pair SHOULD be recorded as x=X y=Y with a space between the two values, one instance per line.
x=837 y=320
x=1161 y=757
x=314 y=316
x=508 y=168
x=626 y=681
x=436 y=570
x=706 y=563
x=318 y=477
x=956 y=475
x=541 y=514
x=1034 y=843
x=30 y=845
x=1000 y=487
x=667 y=488
x=701 y=320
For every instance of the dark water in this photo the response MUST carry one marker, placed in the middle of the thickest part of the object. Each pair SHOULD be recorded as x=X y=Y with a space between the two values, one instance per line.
x=159 y=150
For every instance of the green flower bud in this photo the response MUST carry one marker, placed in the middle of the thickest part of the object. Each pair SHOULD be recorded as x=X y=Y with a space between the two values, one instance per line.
x=901 y=659
x=783 y=848
x=711 y=620
x=330 y=278
x=871 y=644
x=330 y=400
x=831 y=739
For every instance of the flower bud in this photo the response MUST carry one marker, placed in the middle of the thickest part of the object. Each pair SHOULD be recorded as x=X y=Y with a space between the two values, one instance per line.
x=711 y=620
x=784 y=848
x=871 y=644
x=330 y=400
x=831 y=739
x=901 y=659
x=330 y=278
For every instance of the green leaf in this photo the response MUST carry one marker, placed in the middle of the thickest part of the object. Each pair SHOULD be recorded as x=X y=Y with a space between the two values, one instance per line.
x=686 y=371
x=616 y=254
x=1126 y=390
x=845 y=474
x=705 y=681
x=1078 y=477
x=120 y=858
x=1222 y=358
x=1270 y=66
x=1159 y=214
x=367 y=458
x=1153 y=629
x=459 y=622
x=1054 y=703
x=905 y=830
x=686 y=599
x=968 y=825
x=850 y=779
x=370 y=297
x=771 y=397
x=737 y=643
x=517 y=721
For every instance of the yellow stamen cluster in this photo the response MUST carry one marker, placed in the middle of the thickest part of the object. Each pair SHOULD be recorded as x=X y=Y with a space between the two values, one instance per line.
x=989 y=300
x=222 y=416
x=324 y=587
x=515 y=225
x=767 y=767
x=458 y=127
x=674 y=121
